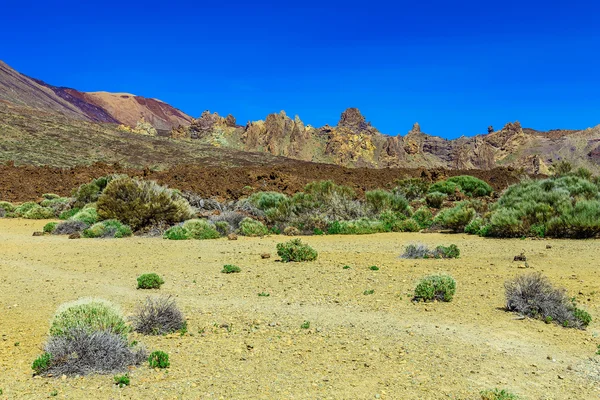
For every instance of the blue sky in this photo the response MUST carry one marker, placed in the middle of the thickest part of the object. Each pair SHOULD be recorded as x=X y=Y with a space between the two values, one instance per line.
x=454 y=66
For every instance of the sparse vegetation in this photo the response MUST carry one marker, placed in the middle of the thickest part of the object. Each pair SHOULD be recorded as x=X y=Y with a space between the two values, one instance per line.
x=122 y=380
x=534 y=296
x=435 y=287
x=497 y=394
x=295 y=250
x=158 y=316
x=149 y=281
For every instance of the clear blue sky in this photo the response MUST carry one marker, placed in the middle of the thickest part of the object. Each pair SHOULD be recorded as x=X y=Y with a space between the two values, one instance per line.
x=454 y=66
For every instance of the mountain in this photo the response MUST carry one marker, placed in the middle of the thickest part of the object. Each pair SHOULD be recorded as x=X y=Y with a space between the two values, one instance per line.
x=100 y=107
x=40 y=124
x=355 y=142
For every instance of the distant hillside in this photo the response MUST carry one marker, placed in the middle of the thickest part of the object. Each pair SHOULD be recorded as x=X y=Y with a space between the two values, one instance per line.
x=117 y=108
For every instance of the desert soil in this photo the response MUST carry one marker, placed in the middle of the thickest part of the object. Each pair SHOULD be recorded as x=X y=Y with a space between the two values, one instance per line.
x=242 y=346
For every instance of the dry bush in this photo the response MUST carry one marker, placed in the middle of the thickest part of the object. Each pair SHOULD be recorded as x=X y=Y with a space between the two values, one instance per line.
x=158 y=316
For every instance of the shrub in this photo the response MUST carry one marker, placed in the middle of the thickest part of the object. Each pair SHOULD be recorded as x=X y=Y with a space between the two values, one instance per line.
x=90 y=192
x=69 y=227
x=358 y=227
x=392 y=221
x=158 y=316
x=414 y=251
x=42 y=364
x=50 y=196
x=252 y=227
x=39 y=213
x=381 y=200
x=22 y=209
x=88 y=215
x=223 y=228
x=231 y=218
x=67 y=214
x=110 y=228
x=200 y=229
x=445 y=187
x=90 y=315
x=291 y=231
x=82 y=352
x=141 y=204
x=295 y=250
x=435 y=199
x=122 y=380
x=159 y=359
x=471 y=186
x=534 y=296
x=409 y=225
x=455 y=218
x=412 y=188
x=230 y=269
x=423 y=217
x=50 y=227
x=8 y=207
x=474 y=227
x=266 y=200
x=561 y=168
x=176 y=233
x=497 y=394
x=149 y=281
x=565 y=206
x=435 y=287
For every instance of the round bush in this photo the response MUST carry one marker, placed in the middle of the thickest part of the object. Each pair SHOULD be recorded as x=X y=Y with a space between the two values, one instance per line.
x=295 y=250
x=435 y=287
x=90 y=315
x=158 y=359
x=39 y=213
x=149 y=281
x=177 y=233
x=50 y=227
x=435 y=199
x=201 y=229
x=107 y=229
x=252 y=227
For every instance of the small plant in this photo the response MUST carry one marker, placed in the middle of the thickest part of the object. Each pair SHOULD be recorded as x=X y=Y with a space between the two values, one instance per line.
x=305 y=325
x=598 y=350
x=497 y=394
x=87 y=215
x=230 y=269
x=451 y=251
x=346 y=267
x=201 y=229
x=67 y=214
x=374 y=268
x=110 y=228
x=50 y=227
x=318 y=232
x=252 y=227
x=158 y=317
x=295 y=250
x=368 y=292
x=263 y=294
x=42 y=364
x=158 y=359
x=53 y=393
x=122 y=380
x=176 y=233
x=149 y=281
x=435 y=287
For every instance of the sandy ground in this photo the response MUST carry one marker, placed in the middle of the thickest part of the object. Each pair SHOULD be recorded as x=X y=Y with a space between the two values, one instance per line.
x=358 y=346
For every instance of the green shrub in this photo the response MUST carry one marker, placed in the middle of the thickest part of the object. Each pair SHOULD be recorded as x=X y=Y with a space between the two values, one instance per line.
x=141 y=204
x=409 y=225
x=445 y=187
x=87 y=215
x=90 y=192
x=561 y=168
x=267 y=200
x=381 y=200
x=471 y=186
x=435 y=287
x=57 y=201
x=42 y=364
x=497 y=394
x=424 y=217
x=451 y=251
x=176 y=233
x=110 y=228
x=252 y=227
x=50 y=196
x=7 y=207
x=22 y=209
x=158 y=359
x=412 y=188
x=295 y=250
x=90 y=315
x=362 y=226
x=455 y=218
x=230 y=269
x=149 y=281
x=435 y=199
x=392 y=221
x=68 y=214
x=50 y=227
x=122 y=380
x=223 y=228
x=201 y=229
x=474 y=227
x=39 y=213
